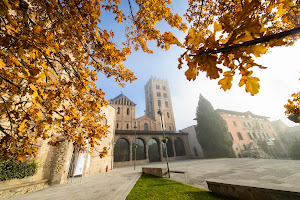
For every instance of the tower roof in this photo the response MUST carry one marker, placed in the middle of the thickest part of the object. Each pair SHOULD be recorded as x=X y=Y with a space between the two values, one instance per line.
x=120 y=96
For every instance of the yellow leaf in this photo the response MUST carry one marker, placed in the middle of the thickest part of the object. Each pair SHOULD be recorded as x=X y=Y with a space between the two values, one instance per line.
x=217 y=27
x=209 y=64
x=226 y=81
x=191 y=36
x=7 y=4
x=257 y=50
x=281 y=10
x=32 y=54
x=22 y=127
x=244 y=37
x=15 y=61
x=252 y=84
x=39 y=114
x=171 y=39
x=48 y=52
x=66 y=117
x=2 y=64
x=33 y=87
x=38 y=29
x=27 y=71
x=35 y=94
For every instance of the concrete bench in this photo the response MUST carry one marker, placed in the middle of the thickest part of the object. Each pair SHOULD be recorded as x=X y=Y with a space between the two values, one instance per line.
x=246 y=192
x=160 y=172
x=186 y=174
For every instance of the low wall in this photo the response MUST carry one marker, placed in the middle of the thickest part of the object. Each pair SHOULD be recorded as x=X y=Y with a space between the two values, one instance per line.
x=160 y=172
x=250 y=193
x=126 y=163
x=9 y=190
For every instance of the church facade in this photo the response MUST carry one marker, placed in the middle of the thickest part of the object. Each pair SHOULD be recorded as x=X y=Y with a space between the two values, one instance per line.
x=140 y=138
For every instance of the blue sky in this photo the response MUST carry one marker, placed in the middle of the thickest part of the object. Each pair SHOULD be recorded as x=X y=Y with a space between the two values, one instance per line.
x=278 y=82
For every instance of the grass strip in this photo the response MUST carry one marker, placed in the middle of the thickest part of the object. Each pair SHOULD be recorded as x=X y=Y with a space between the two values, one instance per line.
x=151 y=187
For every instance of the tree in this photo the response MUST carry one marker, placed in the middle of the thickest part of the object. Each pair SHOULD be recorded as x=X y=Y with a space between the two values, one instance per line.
x=295 y=150
x=212 y=131
x=50 y=54
x=293 y=108
x=226 y=35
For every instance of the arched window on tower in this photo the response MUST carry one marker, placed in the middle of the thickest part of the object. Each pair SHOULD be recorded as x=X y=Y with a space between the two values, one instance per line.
x=128 y=111
x=168 y=115
x=167 y=104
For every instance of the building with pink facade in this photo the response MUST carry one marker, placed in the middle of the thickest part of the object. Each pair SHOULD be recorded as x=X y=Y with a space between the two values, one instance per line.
x=252 y=135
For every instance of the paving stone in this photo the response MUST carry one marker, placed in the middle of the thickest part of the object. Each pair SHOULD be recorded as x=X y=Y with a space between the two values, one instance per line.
x=116 y=184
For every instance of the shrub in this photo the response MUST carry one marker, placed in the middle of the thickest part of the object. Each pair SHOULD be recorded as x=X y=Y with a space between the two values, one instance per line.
x=13 y=169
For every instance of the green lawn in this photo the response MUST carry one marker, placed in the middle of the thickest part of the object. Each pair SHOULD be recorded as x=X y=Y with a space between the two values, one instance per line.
x=151 y=187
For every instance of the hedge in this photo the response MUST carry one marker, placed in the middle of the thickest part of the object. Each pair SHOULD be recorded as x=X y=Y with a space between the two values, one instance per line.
x=14 y=169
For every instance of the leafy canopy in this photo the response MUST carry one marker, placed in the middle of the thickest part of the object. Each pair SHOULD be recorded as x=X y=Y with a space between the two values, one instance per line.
x=50 y=54
x=226 y=35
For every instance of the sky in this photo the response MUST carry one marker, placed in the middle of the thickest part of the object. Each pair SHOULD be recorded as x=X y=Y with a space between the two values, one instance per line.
x=277 y=83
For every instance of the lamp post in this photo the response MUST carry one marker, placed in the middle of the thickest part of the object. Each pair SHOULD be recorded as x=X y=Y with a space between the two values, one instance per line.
x=165 y=140
x=135 y=146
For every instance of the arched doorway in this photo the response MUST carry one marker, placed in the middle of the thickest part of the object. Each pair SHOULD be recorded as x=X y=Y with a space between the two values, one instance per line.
x=121 y=151
x=140 y=150
x=169 y=148
x=179 y=147
x=153 y=150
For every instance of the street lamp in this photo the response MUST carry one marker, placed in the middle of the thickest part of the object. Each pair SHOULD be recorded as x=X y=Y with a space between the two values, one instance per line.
x=135 y=146
x=164 y=140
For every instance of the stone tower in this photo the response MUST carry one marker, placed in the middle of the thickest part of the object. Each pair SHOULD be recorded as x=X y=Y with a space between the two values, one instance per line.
x=157 y=95
x=125 y=112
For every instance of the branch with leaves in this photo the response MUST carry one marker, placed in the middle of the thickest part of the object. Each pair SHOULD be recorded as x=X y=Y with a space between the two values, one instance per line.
x=50 y=54
x=226 y=36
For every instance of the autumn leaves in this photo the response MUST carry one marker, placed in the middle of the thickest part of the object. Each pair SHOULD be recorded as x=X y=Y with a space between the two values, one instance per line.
x=227 y=35
x=51 y=52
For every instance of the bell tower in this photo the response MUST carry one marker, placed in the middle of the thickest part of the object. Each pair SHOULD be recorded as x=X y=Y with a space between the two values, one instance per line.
x=157 y=96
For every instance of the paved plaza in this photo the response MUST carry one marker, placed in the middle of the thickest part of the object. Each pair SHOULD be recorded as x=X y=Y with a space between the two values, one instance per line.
x=116 y=184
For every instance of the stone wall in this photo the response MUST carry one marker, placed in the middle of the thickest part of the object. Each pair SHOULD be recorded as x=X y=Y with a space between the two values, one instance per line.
x=60 y=163
x=95 y=164
x=125 y=112
x=195 y=147
x=54 y=163
x=142 y=120
x=20 y=186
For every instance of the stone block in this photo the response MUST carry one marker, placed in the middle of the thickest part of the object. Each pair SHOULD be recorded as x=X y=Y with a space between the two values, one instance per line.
x=160 y=172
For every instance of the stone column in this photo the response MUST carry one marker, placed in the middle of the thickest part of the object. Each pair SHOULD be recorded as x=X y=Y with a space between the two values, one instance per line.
x=60 y=163
x=173 y=145
x=146 y=150
x=130 y=150
x=160 y=149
